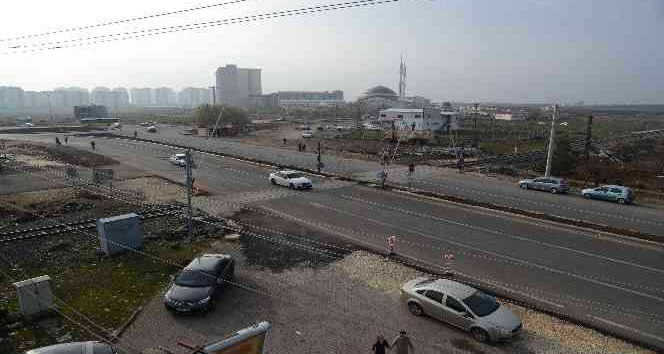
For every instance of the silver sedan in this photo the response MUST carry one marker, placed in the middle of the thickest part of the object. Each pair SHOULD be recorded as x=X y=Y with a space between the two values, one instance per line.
x=462 y=306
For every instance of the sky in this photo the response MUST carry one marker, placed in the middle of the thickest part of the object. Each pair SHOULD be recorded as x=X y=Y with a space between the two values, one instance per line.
x=520 y=51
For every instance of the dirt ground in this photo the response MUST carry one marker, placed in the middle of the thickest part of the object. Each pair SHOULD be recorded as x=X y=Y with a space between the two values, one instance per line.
x=41 y=153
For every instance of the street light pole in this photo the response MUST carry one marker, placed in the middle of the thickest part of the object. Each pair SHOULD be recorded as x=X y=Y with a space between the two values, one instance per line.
x=214 y=95
x=552 y=136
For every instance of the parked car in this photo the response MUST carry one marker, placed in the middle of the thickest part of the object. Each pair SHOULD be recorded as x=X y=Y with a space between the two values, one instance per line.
x=91 y=347
x=619 y=194
x=178 y=159
x=549 y=184
x=194 y=289
x=290 y=179
x=462 y=306
x=151 y=129
x=307 y=134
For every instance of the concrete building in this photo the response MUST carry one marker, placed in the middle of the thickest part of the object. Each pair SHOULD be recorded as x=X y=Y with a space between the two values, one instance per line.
x=102 y=96
x=509 y=115
x=193 y=96
x=141 y=96
x=163 y=96
x=235 y=85
x=11 y=97
x=419 y=119
x=120 y=97
x=69 y=96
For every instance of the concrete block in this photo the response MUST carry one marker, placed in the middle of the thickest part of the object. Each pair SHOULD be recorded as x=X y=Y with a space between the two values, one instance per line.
x=119 y=233
x=35 y=295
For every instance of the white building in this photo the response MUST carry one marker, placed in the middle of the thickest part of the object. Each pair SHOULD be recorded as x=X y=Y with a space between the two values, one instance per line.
x=509 y=115
x=141 y=97
x=235 y=85
x=419 y=119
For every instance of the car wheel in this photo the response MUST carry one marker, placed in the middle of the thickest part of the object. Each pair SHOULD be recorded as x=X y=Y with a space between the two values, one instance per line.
x=553 y=190
x=291 y=186
x=480 y=335
x=524 y=186
x=274 y=183
x=587 y=196
x=621 y=201
x=415 y=309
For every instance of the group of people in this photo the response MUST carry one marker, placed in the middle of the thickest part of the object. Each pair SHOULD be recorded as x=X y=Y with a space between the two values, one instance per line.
x=400 y=345
x=57 y=141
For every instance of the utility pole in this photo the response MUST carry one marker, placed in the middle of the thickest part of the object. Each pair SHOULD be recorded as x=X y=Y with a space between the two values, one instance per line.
x=552 y=138
x=214 y=95
x=319 y=165
x=475 y=124
x=190 y=185
x=589 y=132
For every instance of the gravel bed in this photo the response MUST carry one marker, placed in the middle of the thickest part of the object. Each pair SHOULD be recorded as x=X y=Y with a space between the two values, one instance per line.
x=542 y=333
x=154 y=189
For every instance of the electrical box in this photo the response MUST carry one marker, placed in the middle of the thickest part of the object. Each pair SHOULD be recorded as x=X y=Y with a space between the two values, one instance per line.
x=35 y=295
x=119 y=233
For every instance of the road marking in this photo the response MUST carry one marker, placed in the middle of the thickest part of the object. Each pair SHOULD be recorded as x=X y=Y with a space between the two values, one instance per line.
x=535 y=265
x=521 y=238
x=600 y=319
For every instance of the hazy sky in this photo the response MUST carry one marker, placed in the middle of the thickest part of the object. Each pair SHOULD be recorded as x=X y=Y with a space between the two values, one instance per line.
x=599 y=51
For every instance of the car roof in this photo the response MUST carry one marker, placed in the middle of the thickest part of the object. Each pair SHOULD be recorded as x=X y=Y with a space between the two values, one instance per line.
x=206 y=262
x=451 y=287
x=288 y=171
x=614 y=186
x=63 y=348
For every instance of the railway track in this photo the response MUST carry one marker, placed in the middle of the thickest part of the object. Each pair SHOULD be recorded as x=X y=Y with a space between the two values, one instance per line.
x=80 y=225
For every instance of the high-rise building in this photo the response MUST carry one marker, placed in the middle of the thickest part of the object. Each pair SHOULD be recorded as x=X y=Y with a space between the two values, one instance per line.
x=141 y=96
x=69 y=96
x=235 y=85
x=164 y=96
x=11 y=97
x=193 y=96
x=103 y=96
x=120 y=97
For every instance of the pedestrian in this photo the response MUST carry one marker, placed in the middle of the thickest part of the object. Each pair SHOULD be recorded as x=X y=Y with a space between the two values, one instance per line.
x=135 y=134
x=66 y=140
x=304 y=147
x=402 y=344
x=299 y=147
x=284 y=141
x=92 y=144
x=57 y=141
x=380 y=346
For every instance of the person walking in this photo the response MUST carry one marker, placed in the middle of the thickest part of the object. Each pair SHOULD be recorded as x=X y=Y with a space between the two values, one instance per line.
x=57 y=141
x=135 y=134
x=299 y=147
x=380 y=346
x=284 y=141
x=92 y=144
x=402 y=344
x=304 y=148
x=66 y=140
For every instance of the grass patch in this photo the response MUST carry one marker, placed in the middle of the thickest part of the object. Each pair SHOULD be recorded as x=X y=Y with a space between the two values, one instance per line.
x=106 y=290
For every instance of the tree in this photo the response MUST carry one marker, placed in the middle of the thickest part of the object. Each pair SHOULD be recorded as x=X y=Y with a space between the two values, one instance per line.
x=207 y=115
x=534 y=113
x=564 y=160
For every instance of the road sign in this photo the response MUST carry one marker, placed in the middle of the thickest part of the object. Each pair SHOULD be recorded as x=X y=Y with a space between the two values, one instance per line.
x=250 y=340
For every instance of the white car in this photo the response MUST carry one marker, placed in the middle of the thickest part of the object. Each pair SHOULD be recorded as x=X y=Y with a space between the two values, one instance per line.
x=151 y=129
x=307 y=134
x=178 y=159
x=290 y=179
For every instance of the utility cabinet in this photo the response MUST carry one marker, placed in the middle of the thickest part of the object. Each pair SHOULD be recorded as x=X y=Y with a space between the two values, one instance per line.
x=35 y=295
x=119 y=233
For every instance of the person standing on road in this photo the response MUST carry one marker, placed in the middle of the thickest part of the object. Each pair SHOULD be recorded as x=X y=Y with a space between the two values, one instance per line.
x=304 y=147
x=57 y=141
x=402 y=344
x=66 y=140
x=135 y=134
x=284 y=141
x=92 y=144
x=299 y=147
x=380 y=346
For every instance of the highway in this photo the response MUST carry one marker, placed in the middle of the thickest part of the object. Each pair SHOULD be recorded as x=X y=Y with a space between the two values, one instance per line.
x=642 y=217
x=611 y=282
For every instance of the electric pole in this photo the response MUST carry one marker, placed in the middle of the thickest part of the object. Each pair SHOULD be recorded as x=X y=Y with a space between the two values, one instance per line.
x=190 y=185
x=214 y=95
x=552 y=141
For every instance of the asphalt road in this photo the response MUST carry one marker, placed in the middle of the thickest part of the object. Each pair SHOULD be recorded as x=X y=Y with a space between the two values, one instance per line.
x=614 y=283
x=641 y=217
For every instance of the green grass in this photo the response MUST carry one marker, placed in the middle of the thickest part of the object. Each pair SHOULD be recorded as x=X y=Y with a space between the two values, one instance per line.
x=107 y=290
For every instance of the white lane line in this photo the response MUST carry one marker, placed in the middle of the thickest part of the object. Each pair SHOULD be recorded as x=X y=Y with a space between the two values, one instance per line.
x=520 y=238
x=518 y=260
x=600 y=319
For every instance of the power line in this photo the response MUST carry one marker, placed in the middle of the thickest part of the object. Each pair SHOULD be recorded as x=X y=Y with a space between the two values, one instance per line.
x=160 y=14
x=187 y=27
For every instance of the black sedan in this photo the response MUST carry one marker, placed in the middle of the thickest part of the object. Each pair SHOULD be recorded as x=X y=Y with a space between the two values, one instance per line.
x=194 y=289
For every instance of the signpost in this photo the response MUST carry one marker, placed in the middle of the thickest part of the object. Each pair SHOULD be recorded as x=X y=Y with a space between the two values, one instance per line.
x=391 y=243
x=448 y=258
x=250 y=340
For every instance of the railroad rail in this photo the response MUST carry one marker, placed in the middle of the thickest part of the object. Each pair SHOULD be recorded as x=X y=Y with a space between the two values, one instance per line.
x=80 y=225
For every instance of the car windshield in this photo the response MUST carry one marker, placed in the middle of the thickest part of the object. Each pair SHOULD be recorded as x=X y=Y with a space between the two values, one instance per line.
x=295 y=175
x=194 y=278
x=481 y=304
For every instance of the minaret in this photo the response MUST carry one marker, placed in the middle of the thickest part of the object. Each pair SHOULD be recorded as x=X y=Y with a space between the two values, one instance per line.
x=402 y=79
